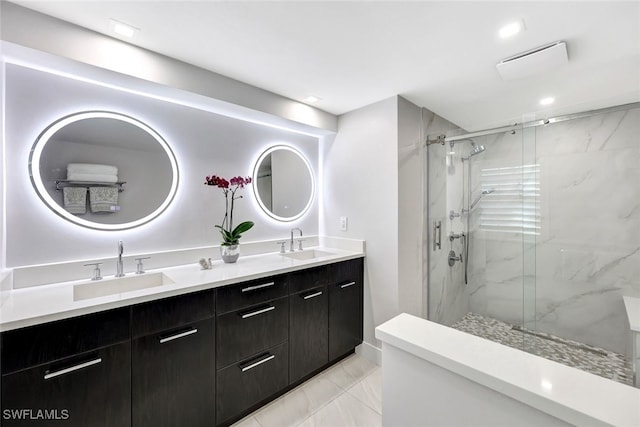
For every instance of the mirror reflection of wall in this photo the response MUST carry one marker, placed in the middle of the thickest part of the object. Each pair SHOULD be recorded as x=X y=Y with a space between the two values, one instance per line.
x=291 y=183
x=264 y=183
x=284 y=183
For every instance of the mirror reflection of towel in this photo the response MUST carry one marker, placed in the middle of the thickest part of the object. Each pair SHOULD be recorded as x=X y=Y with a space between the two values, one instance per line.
x=92 y=169
x=103 y=199
x=90 y=177
x=75 y=199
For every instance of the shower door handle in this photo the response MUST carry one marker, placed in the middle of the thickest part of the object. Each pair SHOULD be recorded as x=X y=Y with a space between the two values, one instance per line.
x=437 y=235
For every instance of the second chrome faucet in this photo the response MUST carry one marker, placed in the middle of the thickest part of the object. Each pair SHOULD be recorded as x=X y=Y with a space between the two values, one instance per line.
x=291 y=249
x=119 y=264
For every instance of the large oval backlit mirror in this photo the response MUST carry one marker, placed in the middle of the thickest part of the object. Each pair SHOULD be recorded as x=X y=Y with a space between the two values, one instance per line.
x=103 y=170
x=283 y=183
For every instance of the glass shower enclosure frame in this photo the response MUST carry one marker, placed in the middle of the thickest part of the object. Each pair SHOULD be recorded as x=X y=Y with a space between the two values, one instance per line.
x=534 y=234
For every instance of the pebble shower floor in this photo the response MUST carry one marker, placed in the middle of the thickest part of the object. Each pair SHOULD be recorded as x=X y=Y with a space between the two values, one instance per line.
x=591 y=359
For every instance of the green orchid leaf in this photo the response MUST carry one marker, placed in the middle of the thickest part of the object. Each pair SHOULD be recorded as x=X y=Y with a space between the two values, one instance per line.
x=241 y=228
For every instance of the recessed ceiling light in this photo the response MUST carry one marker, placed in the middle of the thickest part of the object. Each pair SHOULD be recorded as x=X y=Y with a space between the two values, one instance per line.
x=547 y=101
x=311 y=99
x=511 y=29
x=122 y=29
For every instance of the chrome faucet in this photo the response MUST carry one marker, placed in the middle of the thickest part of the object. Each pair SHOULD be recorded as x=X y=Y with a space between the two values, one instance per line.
x=119 y=265
x=291 y=243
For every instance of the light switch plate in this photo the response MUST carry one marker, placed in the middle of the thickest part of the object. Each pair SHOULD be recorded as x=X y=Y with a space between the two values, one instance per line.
x=343 y=223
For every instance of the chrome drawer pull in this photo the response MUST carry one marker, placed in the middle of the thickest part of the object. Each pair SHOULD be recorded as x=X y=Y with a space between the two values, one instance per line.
x=72 y=368
x=253 y=288
x=317 y=294
x=176 y=336
x=255 y=313
x=346 y=285
x=259 y=362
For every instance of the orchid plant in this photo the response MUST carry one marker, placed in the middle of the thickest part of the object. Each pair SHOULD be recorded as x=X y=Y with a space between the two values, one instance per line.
x=230 y=235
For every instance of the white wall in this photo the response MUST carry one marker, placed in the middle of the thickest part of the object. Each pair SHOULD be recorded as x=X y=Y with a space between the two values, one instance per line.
x=204 y=143
x=419 y=392
x=38 y=31
x=361 y=182
x=372 y=175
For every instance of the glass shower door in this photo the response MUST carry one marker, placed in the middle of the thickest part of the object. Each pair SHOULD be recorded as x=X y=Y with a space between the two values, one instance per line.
x=479 y=192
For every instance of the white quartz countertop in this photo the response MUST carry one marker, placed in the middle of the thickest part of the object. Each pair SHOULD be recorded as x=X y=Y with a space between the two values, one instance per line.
x=632 y=305
x=40 y=304
x=572 y=395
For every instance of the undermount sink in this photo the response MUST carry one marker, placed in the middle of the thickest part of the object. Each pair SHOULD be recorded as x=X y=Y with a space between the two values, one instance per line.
x=101 y=288
x=306 y=254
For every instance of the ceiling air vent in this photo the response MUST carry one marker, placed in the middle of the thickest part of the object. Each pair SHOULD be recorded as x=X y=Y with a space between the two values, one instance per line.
x=534 y=61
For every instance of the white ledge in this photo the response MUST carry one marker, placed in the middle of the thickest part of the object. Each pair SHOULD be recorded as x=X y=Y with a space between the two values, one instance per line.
x=572 y=395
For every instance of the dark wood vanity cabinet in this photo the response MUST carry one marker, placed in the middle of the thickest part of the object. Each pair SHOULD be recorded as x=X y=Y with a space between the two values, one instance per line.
x=252 y=332
x=345 y=307
x=325 y=321
x=199 y=359
x=308 y=322
x=173 y=362
x=308 y=332
x=73 y=372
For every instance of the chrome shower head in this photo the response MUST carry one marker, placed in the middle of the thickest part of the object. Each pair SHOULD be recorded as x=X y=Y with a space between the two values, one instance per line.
x=475 y=149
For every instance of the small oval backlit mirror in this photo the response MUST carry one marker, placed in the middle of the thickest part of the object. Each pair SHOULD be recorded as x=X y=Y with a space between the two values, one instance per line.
x=283 y=183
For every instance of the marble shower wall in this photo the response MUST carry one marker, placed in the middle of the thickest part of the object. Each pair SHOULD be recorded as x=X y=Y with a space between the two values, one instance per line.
x=569 y=279
x=447 y=299
x=588 y=252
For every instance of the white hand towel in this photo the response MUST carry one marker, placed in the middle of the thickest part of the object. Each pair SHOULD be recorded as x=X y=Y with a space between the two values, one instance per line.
x=75 y=199
x=87 y=177
x=103 y=199
x=91 y=168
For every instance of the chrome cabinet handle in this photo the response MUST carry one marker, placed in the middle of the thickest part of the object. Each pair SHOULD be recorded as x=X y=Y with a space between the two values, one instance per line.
x=178 y=335
x=313 y=295
x=346 y=285
x=257 y=363
x=253 y=288
x=50 y=375
x=255 y=313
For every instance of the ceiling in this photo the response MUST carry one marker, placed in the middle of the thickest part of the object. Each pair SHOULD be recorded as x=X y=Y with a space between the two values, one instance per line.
x=439 y=55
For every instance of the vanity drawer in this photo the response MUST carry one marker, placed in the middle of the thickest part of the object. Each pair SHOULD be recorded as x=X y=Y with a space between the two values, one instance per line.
x=345 y=271
x=306 y=279
x=245 y=384
x=35 y=345
x=88 y=389
x=245 y=332
x=235 y=297
x=155 y=316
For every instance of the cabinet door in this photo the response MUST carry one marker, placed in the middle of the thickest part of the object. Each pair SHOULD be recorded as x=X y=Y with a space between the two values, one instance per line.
x=345 y=317
x=91 y=389
x=309 y=332
x=173 y=380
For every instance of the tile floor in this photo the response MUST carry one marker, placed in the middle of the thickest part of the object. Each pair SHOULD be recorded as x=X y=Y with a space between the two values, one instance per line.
x=592 y=359
x=347 y=394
